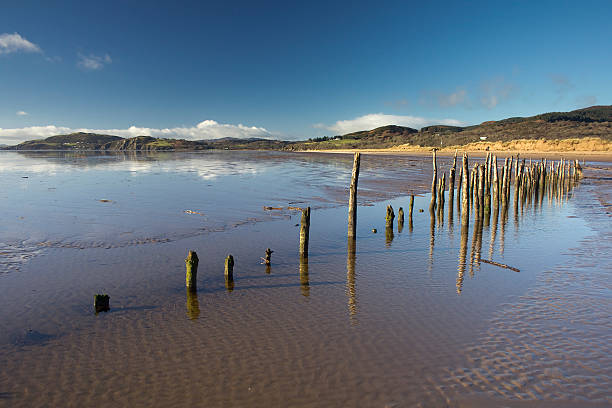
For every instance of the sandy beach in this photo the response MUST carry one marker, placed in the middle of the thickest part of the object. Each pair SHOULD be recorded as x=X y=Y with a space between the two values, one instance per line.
x=587 y=149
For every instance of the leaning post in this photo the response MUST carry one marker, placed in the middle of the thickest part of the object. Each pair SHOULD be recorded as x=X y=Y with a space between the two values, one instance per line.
x=352 y=217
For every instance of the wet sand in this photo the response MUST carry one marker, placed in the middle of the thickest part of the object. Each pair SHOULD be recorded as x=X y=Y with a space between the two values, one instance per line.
x=390 y=326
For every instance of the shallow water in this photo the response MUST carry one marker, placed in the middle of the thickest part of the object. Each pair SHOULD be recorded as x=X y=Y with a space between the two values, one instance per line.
x=410 y=320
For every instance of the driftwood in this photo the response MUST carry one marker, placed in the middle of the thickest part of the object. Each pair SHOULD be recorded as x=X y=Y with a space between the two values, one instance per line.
x=267 y=208
x=501 y=265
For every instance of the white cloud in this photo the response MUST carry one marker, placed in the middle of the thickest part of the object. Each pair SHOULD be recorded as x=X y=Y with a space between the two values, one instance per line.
x=374 y=120
x=208 y=129
x=10 y=43
x=22 y=113
x=93 y=62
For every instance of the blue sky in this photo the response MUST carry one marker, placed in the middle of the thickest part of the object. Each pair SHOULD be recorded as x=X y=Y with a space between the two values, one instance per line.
x=277 y=69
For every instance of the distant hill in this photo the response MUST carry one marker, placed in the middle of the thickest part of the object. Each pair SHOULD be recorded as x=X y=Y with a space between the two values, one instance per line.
x=385 y=136
x=93 y=141
x=595 y=121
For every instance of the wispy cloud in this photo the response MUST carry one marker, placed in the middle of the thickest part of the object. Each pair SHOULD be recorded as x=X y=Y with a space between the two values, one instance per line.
x=208 y=129
x=562 y=85
x=494 y=91
x=586 y=100
x=10 y=43
x=374 y=120
x=453 y=99
x=93 y=62
x=22 y=113
x=445 y=100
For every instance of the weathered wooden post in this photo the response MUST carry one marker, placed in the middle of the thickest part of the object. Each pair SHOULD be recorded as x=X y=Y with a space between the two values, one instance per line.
x=191 y=270
x=229 y=272
x=476 y=193
x=304 y=232
x=579 y=169
x=400 y=220
x=229 y=267
x=352 y=217
x=268 y=259
x=389 y=217
x=434 y=181
x=410 y=206
x=465 y=193
x=389 y=225
x=101 y=303
x=495 y=183
x=442 y=189
x=487 y=194
x=481 y=188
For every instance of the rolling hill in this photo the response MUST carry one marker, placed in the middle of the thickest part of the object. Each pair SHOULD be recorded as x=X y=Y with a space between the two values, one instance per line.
x=595 y=121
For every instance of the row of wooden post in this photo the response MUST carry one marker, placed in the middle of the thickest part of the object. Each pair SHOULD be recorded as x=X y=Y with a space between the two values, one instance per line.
x=482 y=189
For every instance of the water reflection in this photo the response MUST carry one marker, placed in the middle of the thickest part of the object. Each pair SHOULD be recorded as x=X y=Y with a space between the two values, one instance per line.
x=432 y=238
x=389 y=235
x=462 y=257
x=350 y=279
x=229 y=284
x=304 y=281
x=193 y=305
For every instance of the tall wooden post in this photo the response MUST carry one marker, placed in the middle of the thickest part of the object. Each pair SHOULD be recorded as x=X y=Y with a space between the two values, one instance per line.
x=304 y=232
x=465 y=192
x=481 y=188
x=411 y=206
x=495 y=183
x=434 y=182
x=352 y=217
x=451 y=178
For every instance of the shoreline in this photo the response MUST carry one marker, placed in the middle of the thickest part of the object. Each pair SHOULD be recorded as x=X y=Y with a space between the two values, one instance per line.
x=587 y=155
x=501 y=154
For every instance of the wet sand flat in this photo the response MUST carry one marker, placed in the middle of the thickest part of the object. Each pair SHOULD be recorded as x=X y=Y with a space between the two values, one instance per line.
x=410 y=320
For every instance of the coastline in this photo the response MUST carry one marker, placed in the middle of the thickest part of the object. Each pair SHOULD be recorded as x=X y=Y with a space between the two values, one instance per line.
x=587 y=156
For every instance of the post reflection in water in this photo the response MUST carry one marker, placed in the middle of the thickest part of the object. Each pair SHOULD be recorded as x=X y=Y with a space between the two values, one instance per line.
x=350 y=279
x=389 y=235
x=193 y=305
x=493 y=231
x=229 y=284
x=450 y=213
x=432 y=238
x=304 y=282
x=476 y=245
x=462 y=257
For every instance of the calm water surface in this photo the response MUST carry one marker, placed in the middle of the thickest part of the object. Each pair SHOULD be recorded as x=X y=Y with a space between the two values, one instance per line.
x=410 y=320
